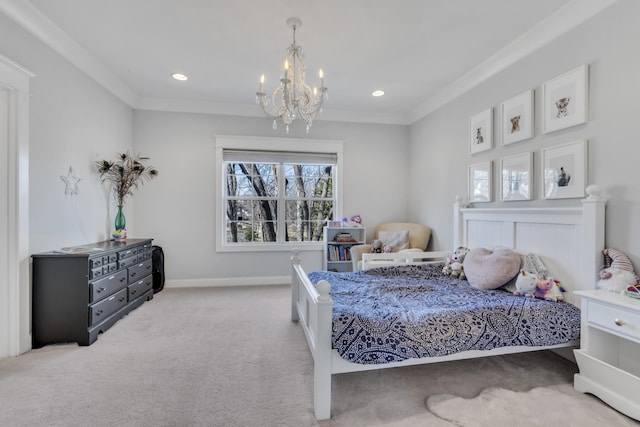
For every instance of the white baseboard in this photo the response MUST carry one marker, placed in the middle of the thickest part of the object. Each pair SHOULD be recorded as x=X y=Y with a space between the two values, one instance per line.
x=229 y=281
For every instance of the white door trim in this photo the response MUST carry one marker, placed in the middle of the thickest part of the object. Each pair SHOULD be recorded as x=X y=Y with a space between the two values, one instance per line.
x=15 y=295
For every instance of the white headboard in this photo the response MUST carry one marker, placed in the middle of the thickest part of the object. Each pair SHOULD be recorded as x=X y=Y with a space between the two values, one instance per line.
x=568 y=240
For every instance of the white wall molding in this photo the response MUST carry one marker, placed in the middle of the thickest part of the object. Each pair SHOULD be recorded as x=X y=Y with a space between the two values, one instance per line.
x=31 y=19
x=568 y=17
x=228 y=281
x=565 y=19
x=15 y=302
x=250 y=110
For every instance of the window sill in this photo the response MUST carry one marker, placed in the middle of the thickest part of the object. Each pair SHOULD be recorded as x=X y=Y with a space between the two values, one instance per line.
x=267 y=247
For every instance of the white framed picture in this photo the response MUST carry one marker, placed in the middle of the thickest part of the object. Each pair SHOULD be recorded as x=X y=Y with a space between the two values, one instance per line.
x=517 y=118
x=480 y=182
x=481 y=131
x=515 y=177
x=566 y=100
x=564 y=170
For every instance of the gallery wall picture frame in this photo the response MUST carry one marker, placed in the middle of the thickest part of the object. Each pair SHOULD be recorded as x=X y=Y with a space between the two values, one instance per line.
x=566 y=100
x=516 y=177
x=481 y=131
x=564 y=170
x=480 y=182
x=518 y=118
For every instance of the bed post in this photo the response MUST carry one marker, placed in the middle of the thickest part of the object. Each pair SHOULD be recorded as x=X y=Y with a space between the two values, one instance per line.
x=322 y=355
x=458 y=224
x=593 y=208
x=295 y=260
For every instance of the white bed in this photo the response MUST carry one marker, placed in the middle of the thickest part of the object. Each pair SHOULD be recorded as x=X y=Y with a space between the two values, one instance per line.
x=569 y=241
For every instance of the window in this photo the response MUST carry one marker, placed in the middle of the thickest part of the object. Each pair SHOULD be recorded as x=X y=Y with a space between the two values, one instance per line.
x=272 y=198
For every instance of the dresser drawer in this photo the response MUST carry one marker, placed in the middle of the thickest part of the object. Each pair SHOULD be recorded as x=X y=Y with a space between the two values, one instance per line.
x=127 y=253
x=127 y=262
x=105 y=308
x=108 y=285
x=617 y=320
x=139 y=270
x=140 y=287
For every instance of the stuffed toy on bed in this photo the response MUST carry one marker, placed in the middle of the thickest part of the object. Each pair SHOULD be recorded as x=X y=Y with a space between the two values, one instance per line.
x=533 y=286
x=453 y=266
x=618 y=273
x=526 y=284
x=549 y=289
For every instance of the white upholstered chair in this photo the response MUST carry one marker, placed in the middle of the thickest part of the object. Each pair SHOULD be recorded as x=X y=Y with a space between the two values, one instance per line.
x=419 y=236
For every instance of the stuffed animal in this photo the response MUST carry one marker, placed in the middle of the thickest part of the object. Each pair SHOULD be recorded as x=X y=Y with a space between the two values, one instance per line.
x=526 y=284
x=549 y=289
x=453 y=265
x=387 y=248
x=376 y=246
x=618 y=273
x=533 y=286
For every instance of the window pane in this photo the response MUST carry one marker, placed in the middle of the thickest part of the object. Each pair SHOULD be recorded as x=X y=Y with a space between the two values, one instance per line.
x=309 y=180
x=252 y=195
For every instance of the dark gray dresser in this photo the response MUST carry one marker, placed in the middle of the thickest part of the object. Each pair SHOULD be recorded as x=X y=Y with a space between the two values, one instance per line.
x=82 y=291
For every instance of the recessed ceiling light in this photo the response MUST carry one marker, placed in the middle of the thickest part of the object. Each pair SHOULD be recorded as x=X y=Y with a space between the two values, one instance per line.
x=377 y=92
x=179 y=76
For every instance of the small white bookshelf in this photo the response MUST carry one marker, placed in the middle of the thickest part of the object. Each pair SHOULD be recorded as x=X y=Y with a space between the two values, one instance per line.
x=336 y=253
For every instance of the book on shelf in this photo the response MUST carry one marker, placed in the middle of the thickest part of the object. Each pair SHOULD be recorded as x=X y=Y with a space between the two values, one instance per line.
x=344 y=238
x=338 y=253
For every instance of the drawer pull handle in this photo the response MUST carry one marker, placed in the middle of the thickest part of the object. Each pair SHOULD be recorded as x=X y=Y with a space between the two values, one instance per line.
x=101 y=289
x=619 y=322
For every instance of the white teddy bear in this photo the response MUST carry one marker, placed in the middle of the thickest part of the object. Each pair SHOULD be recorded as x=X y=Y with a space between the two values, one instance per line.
x=453 y=265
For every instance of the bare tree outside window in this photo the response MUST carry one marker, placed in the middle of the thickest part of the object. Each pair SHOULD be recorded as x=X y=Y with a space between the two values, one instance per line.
x=256 y=191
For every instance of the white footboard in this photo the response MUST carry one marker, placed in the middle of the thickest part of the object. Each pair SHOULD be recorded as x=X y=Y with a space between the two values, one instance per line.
x=312 y=307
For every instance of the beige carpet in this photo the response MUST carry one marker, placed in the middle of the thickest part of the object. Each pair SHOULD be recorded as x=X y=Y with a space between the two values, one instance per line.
x=232 y=357
x=539 y=407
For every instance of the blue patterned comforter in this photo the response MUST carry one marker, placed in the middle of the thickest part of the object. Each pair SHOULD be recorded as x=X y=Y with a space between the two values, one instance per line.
x=390 y=314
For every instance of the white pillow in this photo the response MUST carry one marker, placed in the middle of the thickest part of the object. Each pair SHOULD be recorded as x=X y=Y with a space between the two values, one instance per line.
x=398 y=240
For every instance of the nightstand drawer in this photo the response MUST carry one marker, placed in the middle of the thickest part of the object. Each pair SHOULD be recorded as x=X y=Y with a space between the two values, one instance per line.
x=617 y=320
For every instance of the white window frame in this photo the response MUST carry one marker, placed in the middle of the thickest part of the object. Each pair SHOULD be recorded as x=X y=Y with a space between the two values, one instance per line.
x=253 y=143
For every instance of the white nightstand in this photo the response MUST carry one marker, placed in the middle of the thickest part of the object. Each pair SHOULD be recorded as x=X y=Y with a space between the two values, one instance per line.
x=609 y=355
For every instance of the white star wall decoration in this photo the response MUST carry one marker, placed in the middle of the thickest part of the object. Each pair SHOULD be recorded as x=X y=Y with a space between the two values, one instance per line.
x=71 y=181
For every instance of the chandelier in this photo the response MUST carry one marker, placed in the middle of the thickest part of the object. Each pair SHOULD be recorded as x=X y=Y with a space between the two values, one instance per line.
x=293 y=99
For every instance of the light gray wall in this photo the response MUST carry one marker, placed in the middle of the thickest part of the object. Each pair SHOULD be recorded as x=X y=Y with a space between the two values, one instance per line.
x=391 y=172
x=71 y=119
x=608 y=44
x=177 y=208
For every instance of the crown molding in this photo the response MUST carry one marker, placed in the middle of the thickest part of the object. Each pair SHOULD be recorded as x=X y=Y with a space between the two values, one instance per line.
x=32 y=20
x=565 y=19
x=562 y=21
x=250 y=110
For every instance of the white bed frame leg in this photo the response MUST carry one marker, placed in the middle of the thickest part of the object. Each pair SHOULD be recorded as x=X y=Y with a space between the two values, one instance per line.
x=322 y=355
x=295 y=285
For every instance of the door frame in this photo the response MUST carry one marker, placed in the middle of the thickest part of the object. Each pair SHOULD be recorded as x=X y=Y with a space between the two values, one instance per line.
x=15 y=289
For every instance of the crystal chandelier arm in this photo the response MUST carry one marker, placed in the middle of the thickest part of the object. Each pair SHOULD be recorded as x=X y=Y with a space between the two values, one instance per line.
x=293 y=98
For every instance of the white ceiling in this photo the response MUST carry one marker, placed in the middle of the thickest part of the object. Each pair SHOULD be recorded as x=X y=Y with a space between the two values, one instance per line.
x=420 y=52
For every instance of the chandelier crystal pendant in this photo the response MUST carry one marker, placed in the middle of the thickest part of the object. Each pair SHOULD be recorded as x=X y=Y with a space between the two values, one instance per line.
x=293 y=99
